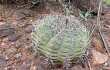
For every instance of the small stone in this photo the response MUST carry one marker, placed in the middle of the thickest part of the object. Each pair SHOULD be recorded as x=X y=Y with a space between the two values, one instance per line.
x=6 y=30
x=2 y=62
x=98 y=45
x=98 y=58
x=14 y=37
x=21 y=14
x=32 y=68
x=30 y=28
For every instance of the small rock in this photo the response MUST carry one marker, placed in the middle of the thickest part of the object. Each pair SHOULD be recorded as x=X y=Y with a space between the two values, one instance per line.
x=14 y=37
x=30 y=28
x=6 y=30
x=21 y=13
x=22 y=68
x=6 y=26
x=98 y=58
x=19 y=16
x=98 y=45
x=32 y=68
x=2 y=63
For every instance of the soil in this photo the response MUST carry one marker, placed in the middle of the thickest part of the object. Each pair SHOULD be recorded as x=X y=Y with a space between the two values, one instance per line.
x=16 y=50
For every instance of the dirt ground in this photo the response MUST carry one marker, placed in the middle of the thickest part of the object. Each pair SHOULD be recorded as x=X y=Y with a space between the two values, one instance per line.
x=16 y=51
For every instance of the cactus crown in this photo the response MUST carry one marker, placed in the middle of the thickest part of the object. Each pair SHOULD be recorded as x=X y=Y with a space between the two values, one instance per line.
x=60 y=38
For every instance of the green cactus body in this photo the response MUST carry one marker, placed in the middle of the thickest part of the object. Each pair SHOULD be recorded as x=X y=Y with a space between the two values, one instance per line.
x=61 y=37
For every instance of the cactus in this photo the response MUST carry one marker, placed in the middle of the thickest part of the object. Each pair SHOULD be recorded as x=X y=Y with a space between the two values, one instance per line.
x=61 y=38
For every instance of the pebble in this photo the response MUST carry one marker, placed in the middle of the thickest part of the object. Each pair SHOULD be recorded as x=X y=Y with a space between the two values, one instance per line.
x=21 y=14
x=6 y=30
x=30 y=28
x=98 y=58
x=98 y=45
x=32 y=68
x=14 y=37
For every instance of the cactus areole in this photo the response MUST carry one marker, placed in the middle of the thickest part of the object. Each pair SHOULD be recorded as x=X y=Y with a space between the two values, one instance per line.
x=60 y=38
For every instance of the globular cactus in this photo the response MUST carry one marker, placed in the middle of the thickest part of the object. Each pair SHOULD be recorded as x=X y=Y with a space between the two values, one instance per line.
x=63 y=39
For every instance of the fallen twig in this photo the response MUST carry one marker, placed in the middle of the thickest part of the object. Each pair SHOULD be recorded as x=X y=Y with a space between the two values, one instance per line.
x=89 y=65
x=98 y=22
